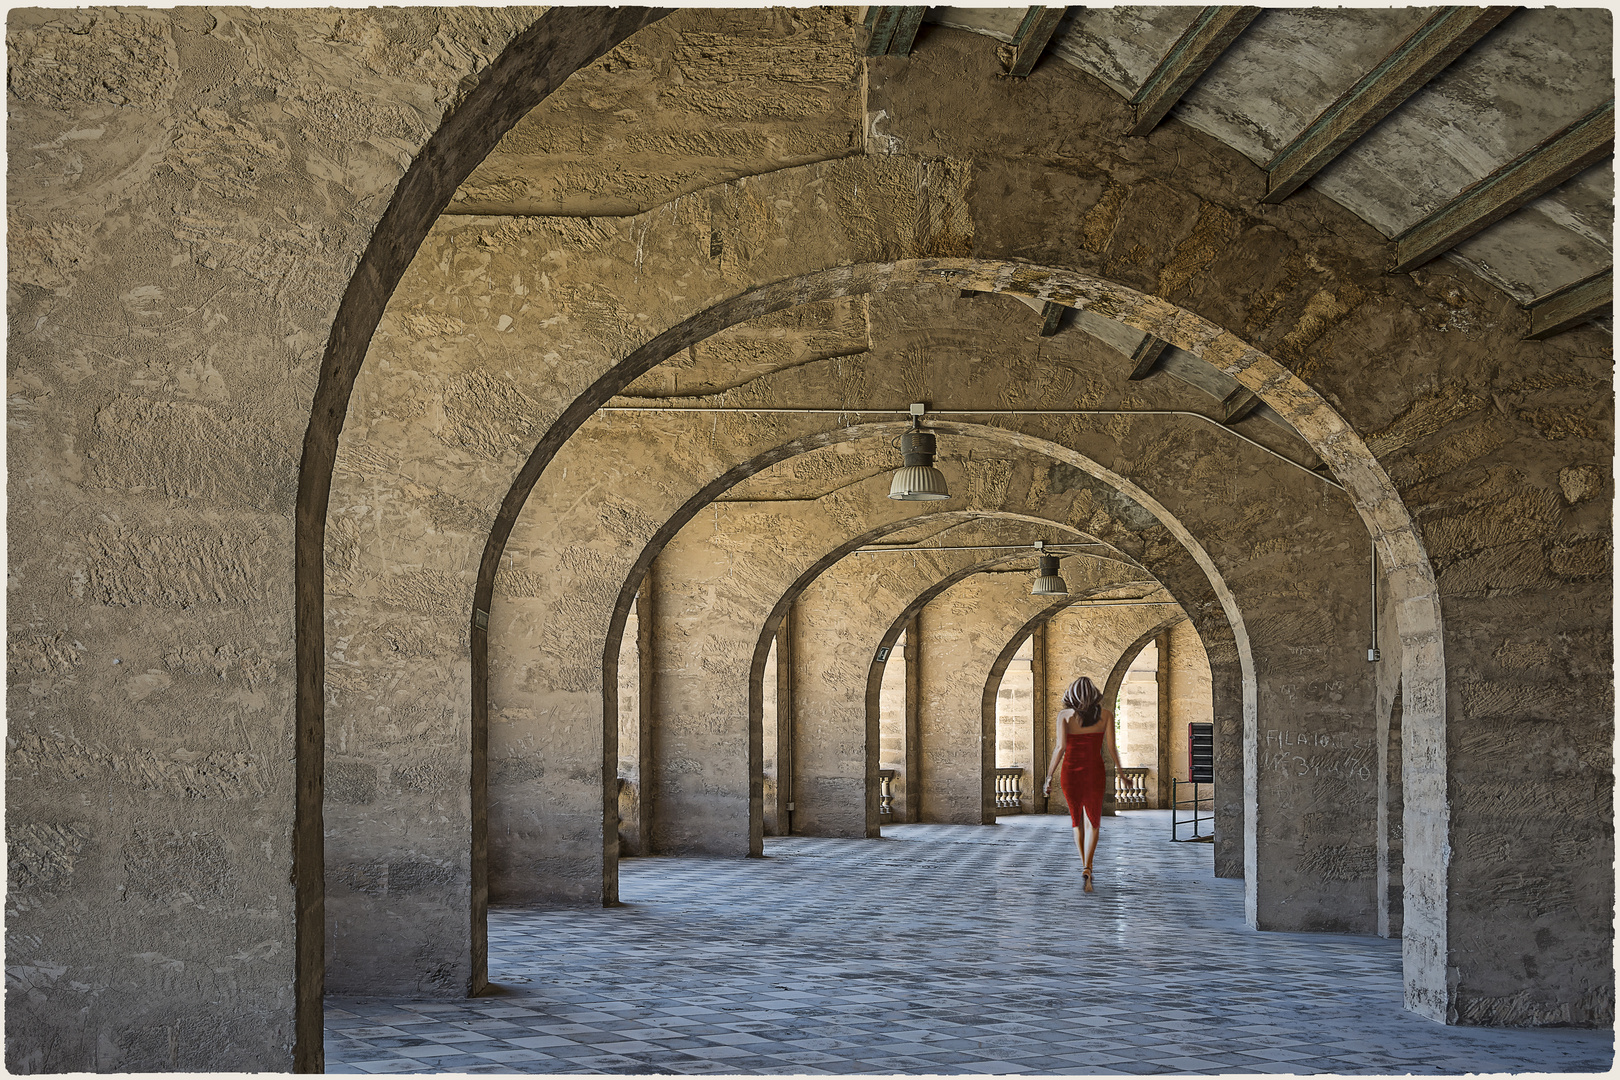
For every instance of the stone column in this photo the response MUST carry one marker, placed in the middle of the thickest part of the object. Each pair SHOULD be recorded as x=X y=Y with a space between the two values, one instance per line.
x=1040 y=753
x=831 y=740
x=913 y=777
x=700 y=675
x=1166 y=756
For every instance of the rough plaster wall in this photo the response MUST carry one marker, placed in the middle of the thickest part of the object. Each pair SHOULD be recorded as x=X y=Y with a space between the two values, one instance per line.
x=703 y=97
x=188 y=193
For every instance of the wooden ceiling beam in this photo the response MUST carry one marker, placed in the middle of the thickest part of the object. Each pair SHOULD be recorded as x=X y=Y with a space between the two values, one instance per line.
x=1034 y=34
x=1211 y=34
x=1405 y=71
x=1530 y=175
x=891 y=31
x=1572 y=305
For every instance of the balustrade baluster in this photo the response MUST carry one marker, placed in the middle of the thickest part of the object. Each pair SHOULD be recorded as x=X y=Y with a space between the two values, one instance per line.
x=1130 y=788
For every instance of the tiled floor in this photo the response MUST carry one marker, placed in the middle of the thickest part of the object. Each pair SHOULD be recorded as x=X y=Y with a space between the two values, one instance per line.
x=938 y=949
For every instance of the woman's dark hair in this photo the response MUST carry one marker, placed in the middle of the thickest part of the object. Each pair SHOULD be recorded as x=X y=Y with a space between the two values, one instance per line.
x=1085 y=699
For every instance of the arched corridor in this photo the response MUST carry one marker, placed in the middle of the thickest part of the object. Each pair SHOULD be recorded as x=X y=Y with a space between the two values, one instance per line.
x=942 y=949
x=454 y=452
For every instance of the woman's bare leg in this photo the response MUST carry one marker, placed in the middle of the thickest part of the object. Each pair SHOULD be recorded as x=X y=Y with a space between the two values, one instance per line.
x=1078 y=846
x=1089 y=848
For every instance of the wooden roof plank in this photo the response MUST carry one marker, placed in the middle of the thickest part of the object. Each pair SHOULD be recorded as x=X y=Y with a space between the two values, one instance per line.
x=1409 y=67
x=1571 y=306
x=1211 y=34
x=1530 y=175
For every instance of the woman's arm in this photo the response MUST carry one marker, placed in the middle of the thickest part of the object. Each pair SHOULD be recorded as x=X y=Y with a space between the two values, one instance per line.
x=1057 y=753
x=1108 y=738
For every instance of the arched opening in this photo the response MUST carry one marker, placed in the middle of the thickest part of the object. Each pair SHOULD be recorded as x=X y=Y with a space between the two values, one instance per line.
x=1195 y=336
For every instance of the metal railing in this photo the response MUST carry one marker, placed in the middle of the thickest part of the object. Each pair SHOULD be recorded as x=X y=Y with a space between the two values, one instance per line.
x=1130 y=788
x=1010 y=789
x=1179 y=805
x=885 y=792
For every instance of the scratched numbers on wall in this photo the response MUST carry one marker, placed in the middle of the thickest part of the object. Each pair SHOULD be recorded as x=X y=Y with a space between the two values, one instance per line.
x=1316 y=754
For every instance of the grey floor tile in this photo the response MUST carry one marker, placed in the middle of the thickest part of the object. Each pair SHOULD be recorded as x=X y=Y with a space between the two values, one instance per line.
x=940 y=949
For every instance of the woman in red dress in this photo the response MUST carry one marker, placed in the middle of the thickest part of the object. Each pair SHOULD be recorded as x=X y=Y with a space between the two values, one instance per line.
x=1086 y=729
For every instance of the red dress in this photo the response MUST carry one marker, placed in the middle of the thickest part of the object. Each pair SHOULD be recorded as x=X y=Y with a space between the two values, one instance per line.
x=1082 y=776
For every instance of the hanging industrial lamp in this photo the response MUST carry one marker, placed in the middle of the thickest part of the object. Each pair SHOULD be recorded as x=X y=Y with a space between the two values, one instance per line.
x=1047 y=581
x=917 y=479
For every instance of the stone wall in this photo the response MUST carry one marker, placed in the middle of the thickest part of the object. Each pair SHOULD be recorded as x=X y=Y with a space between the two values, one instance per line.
x=189 y=192
x=184 y=219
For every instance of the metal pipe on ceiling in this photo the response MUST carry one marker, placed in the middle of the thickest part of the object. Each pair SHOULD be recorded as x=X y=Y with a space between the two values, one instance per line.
x=981 y=412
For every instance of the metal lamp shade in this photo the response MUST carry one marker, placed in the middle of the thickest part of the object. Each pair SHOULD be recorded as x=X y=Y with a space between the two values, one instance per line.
x=1049 y=583
x=917 y=479
x=918 y=482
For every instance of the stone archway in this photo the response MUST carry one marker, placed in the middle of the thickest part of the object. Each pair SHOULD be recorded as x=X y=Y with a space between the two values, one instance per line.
x=1411 y=578
x=528 y=70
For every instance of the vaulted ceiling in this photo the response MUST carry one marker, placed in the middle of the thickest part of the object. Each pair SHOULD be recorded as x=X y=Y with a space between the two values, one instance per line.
x=1481 y=135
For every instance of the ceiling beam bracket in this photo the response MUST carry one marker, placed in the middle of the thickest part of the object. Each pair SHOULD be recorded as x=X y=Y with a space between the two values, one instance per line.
x=1030 y=41
x=1429 y=50
x=1572 y=305
x=1530 y=175
x=1238 y=404
x=1145 y=360
x=1211 y=34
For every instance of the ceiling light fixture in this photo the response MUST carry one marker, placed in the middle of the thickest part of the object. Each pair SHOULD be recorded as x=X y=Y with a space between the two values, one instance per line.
x=1047 y=581
x=917 y=479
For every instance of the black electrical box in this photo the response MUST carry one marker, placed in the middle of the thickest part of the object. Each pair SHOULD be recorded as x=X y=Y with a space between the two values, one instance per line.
x=1201 y=753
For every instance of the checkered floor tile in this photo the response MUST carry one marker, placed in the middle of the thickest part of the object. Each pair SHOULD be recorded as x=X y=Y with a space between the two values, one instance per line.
x=938 y=949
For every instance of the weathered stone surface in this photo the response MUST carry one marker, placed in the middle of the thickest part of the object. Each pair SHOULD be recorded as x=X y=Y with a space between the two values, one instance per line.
x=189 y=194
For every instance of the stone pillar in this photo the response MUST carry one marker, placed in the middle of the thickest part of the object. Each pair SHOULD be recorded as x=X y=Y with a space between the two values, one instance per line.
x=700 y=674
x=962 y=632
x=785 y=660
x=913 y=736
x=831 y=737
x=770 y=746
x=951 y=724
x=1040 y=738
x=632 y=721
x=1389 y=820
x=1166 y=759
